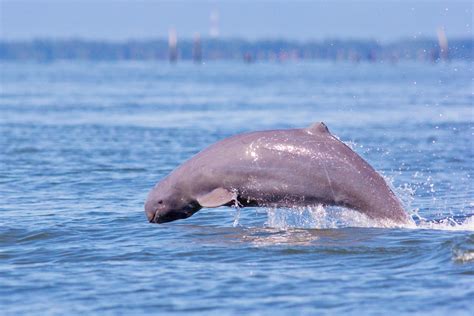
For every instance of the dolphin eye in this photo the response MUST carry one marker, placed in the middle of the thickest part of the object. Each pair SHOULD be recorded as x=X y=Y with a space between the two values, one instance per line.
x=160 y=202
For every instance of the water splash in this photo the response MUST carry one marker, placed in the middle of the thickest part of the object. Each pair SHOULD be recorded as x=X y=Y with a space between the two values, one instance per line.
x=236 y=221
x=406 y=194
x=320 y=217
x=237 y=207
x=453 y=223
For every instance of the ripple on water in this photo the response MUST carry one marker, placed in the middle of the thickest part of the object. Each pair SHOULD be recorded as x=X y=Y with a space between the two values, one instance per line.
x=463 y=250
x=84 y=142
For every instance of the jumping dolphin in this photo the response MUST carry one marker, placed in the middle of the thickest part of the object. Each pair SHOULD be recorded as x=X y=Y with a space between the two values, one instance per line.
x=277 y=168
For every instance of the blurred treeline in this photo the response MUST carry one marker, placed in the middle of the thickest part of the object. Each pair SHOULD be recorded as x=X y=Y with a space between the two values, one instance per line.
x=212 y=49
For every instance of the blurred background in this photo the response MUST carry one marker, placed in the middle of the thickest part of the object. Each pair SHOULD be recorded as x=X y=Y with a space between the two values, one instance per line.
x=250 y=30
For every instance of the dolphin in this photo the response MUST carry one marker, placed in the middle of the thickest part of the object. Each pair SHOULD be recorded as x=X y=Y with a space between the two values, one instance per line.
x=275 y=168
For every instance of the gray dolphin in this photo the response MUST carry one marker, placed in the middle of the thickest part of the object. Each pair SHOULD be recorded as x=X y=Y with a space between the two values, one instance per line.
x=277 y=168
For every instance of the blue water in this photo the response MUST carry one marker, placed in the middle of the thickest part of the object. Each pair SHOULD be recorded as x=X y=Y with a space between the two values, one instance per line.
x=83 y=143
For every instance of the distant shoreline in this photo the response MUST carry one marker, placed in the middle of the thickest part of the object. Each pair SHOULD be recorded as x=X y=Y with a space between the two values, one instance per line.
x=426 y=50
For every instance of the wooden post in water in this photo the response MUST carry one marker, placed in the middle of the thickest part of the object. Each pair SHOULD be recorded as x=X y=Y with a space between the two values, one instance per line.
x=443 y=44
x=173 y=45
x=197 y=49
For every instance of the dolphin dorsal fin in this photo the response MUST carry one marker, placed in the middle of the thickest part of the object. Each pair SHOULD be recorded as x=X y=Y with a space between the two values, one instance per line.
x=318 y=128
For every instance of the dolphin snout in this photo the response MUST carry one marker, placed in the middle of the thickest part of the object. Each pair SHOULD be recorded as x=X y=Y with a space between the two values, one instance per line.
x=150 y=215
x=150 y=211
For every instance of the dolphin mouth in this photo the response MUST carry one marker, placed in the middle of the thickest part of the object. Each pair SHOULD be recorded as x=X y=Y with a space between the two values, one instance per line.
x=169 y=217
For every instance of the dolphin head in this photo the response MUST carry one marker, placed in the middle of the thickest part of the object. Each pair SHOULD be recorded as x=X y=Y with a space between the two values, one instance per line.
x=166 y=203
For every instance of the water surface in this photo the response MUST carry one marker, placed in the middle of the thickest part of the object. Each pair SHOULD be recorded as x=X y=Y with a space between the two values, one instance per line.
x=83 y=143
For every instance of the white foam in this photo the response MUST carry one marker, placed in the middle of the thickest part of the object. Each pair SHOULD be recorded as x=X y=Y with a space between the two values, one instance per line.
x=463 y=256
x=448 y=223
x=319 y=217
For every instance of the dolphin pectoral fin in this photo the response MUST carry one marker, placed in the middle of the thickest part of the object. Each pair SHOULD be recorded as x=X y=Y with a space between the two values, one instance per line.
x=216 y=197
x=317 y=128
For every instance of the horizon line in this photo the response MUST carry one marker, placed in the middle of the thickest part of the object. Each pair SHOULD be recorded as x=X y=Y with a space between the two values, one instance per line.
x=230 y=38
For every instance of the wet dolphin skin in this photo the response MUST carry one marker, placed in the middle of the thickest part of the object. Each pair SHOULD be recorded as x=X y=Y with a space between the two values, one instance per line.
x=276 y=168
